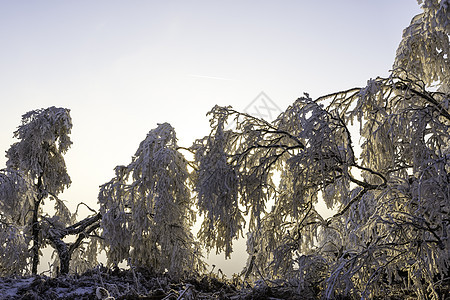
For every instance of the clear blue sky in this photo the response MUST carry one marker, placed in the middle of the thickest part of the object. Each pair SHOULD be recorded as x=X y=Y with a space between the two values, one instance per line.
x=124 y=66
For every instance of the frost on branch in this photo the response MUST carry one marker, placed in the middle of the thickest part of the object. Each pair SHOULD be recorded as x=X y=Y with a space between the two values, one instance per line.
x=16 y=202
x=425 y=48
x=147 y=208
x=16 y=197
x=216 y=184
x=43 y=139
x=14 y=253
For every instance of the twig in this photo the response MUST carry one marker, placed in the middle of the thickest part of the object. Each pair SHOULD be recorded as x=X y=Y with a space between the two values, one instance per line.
x=188 y=286
x=172 y=293
x=87 y=206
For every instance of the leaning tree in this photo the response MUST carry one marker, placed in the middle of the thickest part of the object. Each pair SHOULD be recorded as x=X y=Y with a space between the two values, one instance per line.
x=390 y=197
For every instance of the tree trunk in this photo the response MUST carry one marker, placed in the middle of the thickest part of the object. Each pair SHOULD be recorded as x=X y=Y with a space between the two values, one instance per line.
x=65 y=250
x=35 y=230
x=64 y=258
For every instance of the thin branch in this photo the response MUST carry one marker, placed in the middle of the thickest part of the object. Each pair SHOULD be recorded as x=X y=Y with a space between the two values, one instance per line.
x=370 y=171
x=82 y=203
x=334 y=95
x=349 y=204
x=403 y=87
x=187 y=149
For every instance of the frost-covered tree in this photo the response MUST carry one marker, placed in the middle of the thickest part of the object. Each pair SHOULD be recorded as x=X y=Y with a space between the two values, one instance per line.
x=147 y=208
x=38 y=155
x=36 y=171
x=391 y=198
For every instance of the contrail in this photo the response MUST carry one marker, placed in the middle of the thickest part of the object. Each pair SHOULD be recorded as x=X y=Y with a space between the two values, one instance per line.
x=209 y=77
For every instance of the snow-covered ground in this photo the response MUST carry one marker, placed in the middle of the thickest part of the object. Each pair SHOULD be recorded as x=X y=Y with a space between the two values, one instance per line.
x=118 y=284
x=10 y=286
x=43 y=288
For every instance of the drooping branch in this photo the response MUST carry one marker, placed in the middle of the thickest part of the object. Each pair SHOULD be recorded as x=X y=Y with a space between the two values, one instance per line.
x=426 y=96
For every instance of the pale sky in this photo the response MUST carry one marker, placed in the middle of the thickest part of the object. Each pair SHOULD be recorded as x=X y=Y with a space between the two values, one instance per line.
x=124 y=66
